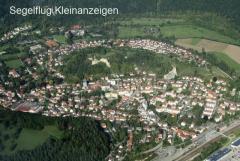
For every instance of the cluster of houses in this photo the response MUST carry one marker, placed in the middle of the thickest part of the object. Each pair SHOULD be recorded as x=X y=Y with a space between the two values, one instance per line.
x=154 y=46
x=163 y=48
x=7 y=98
x=65 y=100
x=121 y=94
x=119 y=152
x=175 y=97
x=16 y=31
x=41 y=54
x=75 y=30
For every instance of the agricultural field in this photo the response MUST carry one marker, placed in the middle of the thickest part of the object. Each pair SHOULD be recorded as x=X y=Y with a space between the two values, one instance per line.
x=126 y=32
x=231 y=62
x=178 y=27
x=150 y=21
x=225 y=52
x=177 y=31
x=191 y=31
x=133 y=32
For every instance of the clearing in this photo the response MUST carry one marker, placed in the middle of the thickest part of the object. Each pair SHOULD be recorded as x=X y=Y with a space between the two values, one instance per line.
x=14 y=139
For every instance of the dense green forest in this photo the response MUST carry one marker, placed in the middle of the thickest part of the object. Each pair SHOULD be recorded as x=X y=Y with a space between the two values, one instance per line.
x=79 y=139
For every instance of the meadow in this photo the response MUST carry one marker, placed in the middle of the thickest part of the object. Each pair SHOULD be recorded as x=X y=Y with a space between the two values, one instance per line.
x=60 y=38
x=12 y=60
x=178 y=27
x=15 y=139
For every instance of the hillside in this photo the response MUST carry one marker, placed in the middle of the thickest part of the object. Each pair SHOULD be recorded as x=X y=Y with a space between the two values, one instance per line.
x=224 y=8
x=31 y=137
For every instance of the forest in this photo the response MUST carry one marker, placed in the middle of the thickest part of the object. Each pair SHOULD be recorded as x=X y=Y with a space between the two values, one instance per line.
x=78 y=139
x=226 y=8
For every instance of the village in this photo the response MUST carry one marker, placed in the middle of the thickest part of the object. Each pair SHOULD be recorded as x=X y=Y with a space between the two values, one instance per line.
x=15 y=32
x=118 y=98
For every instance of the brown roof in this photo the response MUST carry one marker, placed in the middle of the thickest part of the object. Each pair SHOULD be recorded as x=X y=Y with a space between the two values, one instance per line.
x=51 y=43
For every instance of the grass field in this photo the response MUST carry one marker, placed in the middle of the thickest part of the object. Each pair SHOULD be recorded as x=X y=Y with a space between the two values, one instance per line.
x=12 y=60
x=184 y=69
x=16 y=63
x=191 y=31
x=127 y=32
x=231 y=63
x=28 y=138
x=12 y=56
x=150 y=21
x=178 y=31
x=195 y=41
x=60 y=38
x=181 y=26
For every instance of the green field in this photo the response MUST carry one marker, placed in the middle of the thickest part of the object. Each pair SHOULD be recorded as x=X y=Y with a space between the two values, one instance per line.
x=184 y=69
x=60 y=38
x=150 y=21
x=12 y=60
x=191 y=31
x=12 y=56
x=178 y=31
x=195 y=41
x=225 y=58
x=16 y=63
x=182 y=26
x=223 y=51
x=132 y=32
x=27 y=139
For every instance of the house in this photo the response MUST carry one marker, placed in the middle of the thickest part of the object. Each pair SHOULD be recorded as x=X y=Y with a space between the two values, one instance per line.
x=52 y=43
x=13 y=73
x=111 y=95
x=36 y=48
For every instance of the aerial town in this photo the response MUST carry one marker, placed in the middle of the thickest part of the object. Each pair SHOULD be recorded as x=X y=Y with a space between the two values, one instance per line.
x=139 y=96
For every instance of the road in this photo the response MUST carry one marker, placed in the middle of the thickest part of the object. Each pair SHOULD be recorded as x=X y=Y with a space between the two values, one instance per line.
x=205 y=138
x=153 y=149
x=199 y=148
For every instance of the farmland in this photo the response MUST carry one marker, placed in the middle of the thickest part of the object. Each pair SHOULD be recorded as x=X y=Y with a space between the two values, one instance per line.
x=191 y=31
x=181 y=26
x=187 y=33
x=228 y=53
x=150 y=21
x=125 y=32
